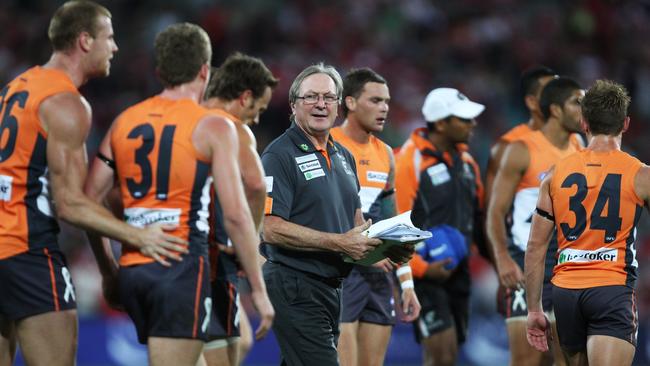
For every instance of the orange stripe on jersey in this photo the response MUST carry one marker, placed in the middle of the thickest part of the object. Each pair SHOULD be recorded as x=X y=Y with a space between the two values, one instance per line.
x=418 y=266
x=197 y=298
x=373 y=166
x=55 y=293
x=596 y=212
x=26 y=215
x=162 y=178
x=268 y=205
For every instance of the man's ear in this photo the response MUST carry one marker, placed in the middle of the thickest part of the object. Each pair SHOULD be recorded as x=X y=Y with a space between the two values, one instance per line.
x=204 y=72
x=555 y=110
x=246 y=98
x=350 y=103
x=85 y=41
x=531 y=102
x=626 y=124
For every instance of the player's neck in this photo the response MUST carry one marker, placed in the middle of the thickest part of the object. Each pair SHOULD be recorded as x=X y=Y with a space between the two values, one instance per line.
x=191 y=90
x=354 y=131
x=604 y=142
x=231 y=107
x=317 y=138
x=70 y=65
x=556 y=134
x=535 y=122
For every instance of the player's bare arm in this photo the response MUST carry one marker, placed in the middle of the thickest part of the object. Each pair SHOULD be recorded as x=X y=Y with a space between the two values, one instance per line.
x=538 y=327
x=642 y=185
x=66 y=118
x=514 y=163
x=252 y=173
x=494 y=162
x=216 y=138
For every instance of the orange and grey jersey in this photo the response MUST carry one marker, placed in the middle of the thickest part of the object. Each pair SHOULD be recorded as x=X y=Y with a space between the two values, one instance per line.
x=373 y=168
x=27 y=218
x=596 y=211
x=162 y=177
x=543 y=155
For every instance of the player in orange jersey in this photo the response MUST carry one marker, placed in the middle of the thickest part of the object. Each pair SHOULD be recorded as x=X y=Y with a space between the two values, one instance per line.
x=240 y=90
x=43 y=128
x=164 y=151
x=593 y=199
x=532 y=83
x=368 y=305
x=524 y=164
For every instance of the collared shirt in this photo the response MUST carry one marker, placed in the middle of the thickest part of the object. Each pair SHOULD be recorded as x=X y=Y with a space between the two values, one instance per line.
x=314 y=188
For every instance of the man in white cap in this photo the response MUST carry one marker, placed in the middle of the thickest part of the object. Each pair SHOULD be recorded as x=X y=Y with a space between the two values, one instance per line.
x=440 y=182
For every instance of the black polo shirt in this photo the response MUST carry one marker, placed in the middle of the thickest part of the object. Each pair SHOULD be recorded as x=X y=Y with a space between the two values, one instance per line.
x=307 y=190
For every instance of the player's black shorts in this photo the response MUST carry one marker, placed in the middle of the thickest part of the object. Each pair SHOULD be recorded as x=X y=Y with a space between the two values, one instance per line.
x=368 y=297
x=171 y=301
x=225 y=309
x=35 y=282
x=511 y=303
x=606 y=310
x=444 y=305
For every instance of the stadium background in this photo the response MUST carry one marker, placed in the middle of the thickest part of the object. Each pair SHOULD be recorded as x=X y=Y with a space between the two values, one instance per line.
x=478 y=46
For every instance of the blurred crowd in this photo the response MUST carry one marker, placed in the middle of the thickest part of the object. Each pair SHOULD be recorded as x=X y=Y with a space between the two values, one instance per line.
x=477 y=46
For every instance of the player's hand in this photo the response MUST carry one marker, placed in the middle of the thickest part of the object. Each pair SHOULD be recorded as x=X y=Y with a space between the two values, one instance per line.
x=400 y=253
x=510 y=275
x=155 y=243
x=357 y=245
x=265 y=309
x=436 y=270
x=230 y=250
x=538 y=330
x=386 y=265
x=410 y=305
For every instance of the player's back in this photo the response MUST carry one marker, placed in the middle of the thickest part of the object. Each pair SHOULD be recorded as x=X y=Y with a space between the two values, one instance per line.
x=27 y=219
x=596 y=212
x=162 y=177
x=373 y=167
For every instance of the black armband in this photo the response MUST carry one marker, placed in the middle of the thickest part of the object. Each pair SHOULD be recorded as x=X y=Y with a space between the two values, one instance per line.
x=106 y=160
x=544 y=214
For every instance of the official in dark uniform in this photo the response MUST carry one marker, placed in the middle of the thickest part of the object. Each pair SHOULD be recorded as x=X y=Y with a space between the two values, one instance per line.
x=313 y=216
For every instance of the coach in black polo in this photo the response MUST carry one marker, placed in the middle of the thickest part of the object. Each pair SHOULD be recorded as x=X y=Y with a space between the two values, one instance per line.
x=313 y=216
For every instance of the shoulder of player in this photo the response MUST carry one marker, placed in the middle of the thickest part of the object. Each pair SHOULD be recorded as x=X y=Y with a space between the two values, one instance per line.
x=245 y=135
x=516 y=155
x=65 y=108
x=642 y=182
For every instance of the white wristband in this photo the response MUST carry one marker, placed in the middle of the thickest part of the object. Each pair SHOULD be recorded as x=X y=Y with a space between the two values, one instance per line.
x=407 y=284
x=403 y=270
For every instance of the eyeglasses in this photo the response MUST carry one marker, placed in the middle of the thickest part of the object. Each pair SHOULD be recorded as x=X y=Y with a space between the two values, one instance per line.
x=314 y=98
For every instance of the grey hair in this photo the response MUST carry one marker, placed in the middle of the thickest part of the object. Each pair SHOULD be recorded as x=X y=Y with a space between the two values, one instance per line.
x=319 y=68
